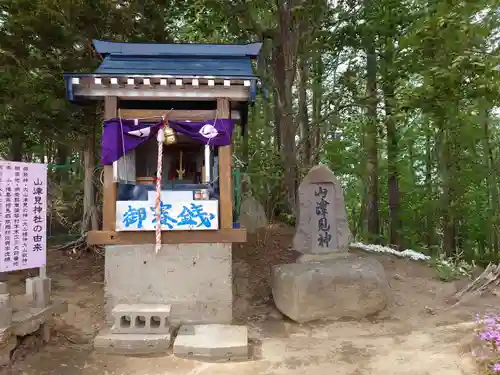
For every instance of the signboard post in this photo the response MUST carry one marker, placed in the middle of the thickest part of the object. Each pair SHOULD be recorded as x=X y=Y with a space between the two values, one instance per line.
x=23 y=216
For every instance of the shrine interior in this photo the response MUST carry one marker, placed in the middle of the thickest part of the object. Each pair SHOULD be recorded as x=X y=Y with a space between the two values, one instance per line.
x=183 y=157
x=183 y=169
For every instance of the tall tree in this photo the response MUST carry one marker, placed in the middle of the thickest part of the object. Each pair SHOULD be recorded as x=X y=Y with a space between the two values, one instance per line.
x=371 y=132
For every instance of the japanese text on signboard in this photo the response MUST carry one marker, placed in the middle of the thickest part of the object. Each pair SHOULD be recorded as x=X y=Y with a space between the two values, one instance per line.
x=23 y=196
x=189 y=215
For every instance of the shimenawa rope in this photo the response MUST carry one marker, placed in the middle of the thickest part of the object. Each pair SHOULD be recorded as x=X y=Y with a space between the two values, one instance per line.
x=161 y=139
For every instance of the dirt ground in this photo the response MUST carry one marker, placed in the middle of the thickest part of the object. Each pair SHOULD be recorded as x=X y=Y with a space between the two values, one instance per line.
x=418 y=334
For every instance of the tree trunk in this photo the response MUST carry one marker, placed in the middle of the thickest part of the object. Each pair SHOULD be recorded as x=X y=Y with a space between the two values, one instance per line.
x=43 y=151
x=284 y=67
x=289 y=159
x=277 y=121
x=90 y=220
x=429 y=217
x=491 y=182
x=447 y=196
x=392 y=147
x=16 y=146
x=303 y=113
x=62 y=155
x=371 y=133
x=267 y=110
x=317 y=100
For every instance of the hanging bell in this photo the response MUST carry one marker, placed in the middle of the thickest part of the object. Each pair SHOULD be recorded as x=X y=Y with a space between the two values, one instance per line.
x=170 y=136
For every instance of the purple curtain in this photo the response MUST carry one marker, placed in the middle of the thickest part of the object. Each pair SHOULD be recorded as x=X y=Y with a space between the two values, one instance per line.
x=214 y=132
x=115 y=140
x=116 y=137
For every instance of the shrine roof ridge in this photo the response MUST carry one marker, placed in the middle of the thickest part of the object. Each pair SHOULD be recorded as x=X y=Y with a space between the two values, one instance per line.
x=250 y=50
x=178 y=66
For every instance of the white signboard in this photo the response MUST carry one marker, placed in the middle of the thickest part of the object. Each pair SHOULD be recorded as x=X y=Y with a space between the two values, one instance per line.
x=23 y=215
x=179 y=215
x=171 y=196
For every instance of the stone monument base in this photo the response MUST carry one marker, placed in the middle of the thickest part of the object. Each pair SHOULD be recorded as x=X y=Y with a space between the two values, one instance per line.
x=194 y=279
x=26 y=314
x=349 y=287
x=315 y=258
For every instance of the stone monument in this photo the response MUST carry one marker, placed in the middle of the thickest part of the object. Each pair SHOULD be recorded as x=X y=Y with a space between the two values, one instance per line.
x=252 y=214
x=322 y=226
x=327 y=282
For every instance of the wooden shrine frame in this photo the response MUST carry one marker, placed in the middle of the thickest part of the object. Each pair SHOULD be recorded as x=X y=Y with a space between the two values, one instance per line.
x=226 y=233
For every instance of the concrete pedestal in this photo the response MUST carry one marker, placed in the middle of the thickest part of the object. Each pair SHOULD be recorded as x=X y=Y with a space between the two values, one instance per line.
x=212 y=342
x=195 y=279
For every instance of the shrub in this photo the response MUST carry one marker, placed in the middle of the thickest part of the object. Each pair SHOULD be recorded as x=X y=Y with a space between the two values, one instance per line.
x=450 y=269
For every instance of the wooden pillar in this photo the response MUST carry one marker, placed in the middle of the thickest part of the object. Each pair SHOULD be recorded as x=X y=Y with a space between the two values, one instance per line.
x=109 y=189
x=225 y=173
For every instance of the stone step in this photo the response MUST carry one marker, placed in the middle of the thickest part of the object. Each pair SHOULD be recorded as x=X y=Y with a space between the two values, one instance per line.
x=132 y=344
x=212 y=342
x=141 y=319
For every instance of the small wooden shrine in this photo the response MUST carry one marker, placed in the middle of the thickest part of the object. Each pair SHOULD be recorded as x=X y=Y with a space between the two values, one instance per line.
x=170 y=112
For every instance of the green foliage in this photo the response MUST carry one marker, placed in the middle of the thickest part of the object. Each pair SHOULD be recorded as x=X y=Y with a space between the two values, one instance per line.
x=450 y=269
x=440 y=59
x=263 y=168
x=66 y=206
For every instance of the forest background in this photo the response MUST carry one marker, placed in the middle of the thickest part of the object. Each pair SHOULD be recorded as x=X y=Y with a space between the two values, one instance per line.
x=399 y=98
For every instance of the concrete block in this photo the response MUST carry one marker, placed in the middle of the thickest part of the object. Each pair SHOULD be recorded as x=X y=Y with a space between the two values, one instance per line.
x=38 y=290
x=4 y=288
x=212 y=342
x=5 y=311
x=141 y=319
x=6 y=350
x=194 y=279
x=130 y=344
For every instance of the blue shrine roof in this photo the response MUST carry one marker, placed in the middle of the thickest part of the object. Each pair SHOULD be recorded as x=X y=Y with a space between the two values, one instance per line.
x=187 y=49
x=220 y=61
x=237 y=67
